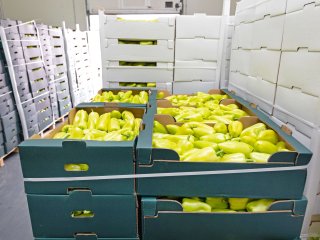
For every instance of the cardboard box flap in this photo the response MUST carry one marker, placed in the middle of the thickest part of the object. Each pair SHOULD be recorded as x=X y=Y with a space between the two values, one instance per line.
x=297 y=207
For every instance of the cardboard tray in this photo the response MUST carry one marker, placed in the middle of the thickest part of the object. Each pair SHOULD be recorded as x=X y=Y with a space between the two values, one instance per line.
x=114 y=215
x=164 y=219
x=277 y=183
x=43 y=157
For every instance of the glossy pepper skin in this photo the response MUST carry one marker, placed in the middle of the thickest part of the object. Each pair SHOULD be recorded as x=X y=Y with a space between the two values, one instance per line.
x=238 y=204
x=159 y=128
x=103 y=122
x=81 y=119
x=265 y=147
x=234 y=157
x=260 y=157
x=235 y=128
x=268 y=135
x=93 y=120
x=236 y=147
x=220 y=128
x=253 y=130
x=192 y=205
x=261 y=205
x=217 y=202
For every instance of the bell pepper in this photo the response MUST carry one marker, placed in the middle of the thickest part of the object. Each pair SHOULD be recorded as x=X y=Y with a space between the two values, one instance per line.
x=136 y=99
x=203 y=144
x=76 y=133
x=72 y=167
x=260 y=157
x=238 y=113
x=234 y=157
x=187 y=117
x=192 y=205
x=249 y=140
x=127 y=95
x=97 y=98
x=114 y=125
x=169 y=111
x=114 y=136
x=144 y=97
x=236 y=147
x=93 y=120
x=235 y=128
x=88 y=136
x=172 y=129
x=220 y=127
x=185 y=146
x=183 y=130
x=116 y=114
x=164 y=143
x=261 y=205
x=160 y=95
x=265 y=147
x=253 y=130
x=159 y=128
x=268 y=135
x=222 y=119
x=281 y=145
x=202 y=155
x=95 y=133
x=127 y=134
x=216 y=138
x=217 y=202
x=103 y=122
x=61 y=135
x=238 y=204
x=67 y=128
x=137 y=125
x=151 y=85
x=128 y=117
x=200 y=131
x=81 y=119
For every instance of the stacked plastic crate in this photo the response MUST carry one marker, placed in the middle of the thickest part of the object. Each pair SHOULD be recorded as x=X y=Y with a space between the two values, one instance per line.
x=137 y=51
x=95 y=206
x=60 y=77
x=9 y=120
x=44 y=36
x=38 y=81
x=197 y=56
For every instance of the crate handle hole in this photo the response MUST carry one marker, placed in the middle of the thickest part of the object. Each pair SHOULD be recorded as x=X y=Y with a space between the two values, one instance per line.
x=82 y=214
x=80 y=167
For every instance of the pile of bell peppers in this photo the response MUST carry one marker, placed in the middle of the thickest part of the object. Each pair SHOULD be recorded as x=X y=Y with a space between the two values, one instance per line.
x=110 y=126
x=227 y=205
x=199 y=142
x=123 y=97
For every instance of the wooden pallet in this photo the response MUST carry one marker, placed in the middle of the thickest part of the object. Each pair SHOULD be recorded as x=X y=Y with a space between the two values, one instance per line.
x=7 y=155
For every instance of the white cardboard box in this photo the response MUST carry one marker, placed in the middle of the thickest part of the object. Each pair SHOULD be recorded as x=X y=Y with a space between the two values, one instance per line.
x=238 y=84
x=295 y=5
x=297 y=108
x=192 y=87
x=302 y=29
x=162 y=52
x=265 y=64
x=160 y=86
x=301 y=70
x=198 y=26
x=268 y=32
x=197 y=49
x=242 y=37
x=195 y=70
x=241 y=61
x=163 y=72
x=261 y=93
x=161 y=28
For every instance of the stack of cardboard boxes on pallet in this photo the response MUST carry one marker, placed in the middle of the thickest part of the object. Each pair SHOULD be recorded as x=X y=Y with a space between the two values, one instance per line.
x=197 y=56
x=138 y=51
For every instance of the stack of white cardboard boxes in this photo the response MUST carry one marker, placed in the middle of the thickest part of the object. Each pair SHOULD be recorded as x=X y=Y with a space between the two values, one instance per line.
x=275 y=64
x=197 y=57
x=139 y=51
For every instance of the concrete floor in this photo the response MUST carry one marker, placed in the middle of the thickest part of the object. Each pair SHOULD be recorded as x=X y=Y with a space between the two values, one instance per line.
x=14 y=214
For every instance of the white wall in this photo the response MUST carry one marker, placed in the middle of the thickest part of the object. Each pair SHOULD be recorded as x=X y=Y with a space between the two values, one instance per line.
x=51 y=12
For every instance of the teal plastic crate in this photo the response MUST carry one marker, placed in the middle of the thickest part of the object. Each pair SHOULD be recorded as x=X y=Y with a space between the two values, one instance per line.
x=164 y=219
x=114 y=216
x=86 y=237
x=276 y=183
x=43 y=162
